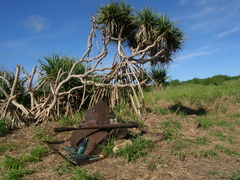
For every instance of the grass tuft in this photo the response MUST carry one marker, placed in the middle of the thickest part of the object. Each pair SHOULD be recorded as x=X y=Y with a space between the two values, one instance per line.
x=16 y=166
x=177 y=149
x=35 y=155
x=42 y=135
x=206 y=154
x=71 y=121
x=7 y=147
x=231 y=176
x=12 y=163
x=78 y=173
x=170 y=129
x=201 y=140
x=205 y=122
x=124 y=114
x=171 y=124
x=223 y=137
x=138 y=149
x=161 y=111
x=81 y=174
x=226 y=150
x=4 y=129
x=15 y=174
x=107 y=149
x=237 y=122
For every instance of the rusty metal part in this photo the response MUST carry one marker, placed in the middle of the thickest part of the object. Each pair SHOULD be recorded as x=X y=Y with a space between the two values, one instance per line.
x=102 y=127
x=100 y=112
x=78 y=135
x=94 y=141
x=98 y=115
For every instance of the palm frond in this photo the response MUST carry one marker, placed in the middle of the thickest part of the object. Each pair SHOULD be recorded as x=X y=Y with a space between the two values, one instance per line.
x=115 y=19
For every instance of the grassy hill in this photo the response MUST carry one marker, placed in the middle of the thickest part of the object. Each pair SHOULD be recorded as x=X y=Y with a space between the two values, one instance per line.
x=201 y=126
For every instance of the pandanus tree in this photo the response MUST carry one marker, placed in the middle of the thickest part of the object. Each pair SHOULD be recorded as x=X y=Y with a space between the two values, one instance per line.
x=138 y=38
x=51 y=66
x=149 y=37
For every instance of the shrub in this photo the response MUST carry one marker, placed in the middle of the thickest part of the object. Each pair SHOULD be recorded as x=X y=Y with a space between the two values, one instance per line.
x=4 y=129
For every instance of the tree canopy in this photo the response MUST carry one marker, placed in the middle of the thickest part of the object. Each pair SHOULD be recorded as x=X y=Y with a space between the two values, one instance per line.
x=146 y=32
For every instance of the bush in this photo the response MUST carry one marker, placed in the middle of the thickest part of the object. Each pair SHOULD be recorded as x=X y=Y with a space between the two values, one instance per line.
x=4 y=130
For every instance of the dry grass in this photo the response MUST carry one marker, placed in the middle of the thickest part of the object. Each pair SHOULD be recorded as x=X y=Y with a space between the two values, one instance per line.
x=204 y=144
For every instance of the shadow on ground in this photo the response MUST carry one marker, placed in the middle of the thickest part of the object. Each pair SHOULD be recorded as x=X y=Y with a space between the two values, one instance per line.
x=181 y=109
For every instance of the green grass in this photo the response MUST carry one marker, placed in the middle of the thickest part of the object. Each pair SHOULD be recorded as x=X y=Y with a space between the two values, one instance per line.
x=206 y=154
x=12 y=163
x=226 y=150
x=196 y=94
x=237 y=122
x=7 y=147
x=64 y=168
x=178 y=149
x=138 y=149
x=170 y=129
x=179 y=146
x=15 y=174
x=223 y=137
x=36 y=154
x=171 y=124
x=124 y=114
x=77 y=173
x=42 y=135
x=161 y=111
x=202 y=141
x=235 y=115
x=170 y=134
x=205 y=122
x=4 y=129
x=107 y=149
x=235 y=175
x=76 y=120
x=223 y=123
x=15 y=166
x=231 y=176
x=152 y=166
x=80 y=174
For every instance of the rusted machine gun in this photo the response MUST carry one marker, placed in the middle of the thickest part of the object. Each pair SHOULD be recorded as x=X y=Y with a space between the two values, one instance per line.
x=102 y=127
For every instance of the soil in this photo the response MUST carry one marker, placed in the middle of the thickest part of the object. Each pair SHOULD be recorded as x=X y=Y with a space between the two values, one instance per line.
x=160 y=163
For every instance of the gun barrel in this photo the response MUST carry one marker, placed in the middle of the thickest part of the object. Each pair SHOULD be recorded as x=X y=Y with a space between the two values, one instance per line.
x=107 y=126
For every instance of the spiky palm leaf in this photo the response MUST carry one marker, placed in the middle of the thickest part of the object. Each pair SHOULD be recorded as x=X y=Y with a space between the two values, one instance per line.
x=115 y=19
x=159 y=75
x=171 y=41
x=146 y=21
x=54 y=63
x=150 y=26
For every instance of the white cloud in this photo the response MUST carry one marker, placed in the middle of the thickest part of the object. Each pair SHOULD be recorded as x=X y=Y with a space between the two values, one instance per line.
x=200 y=53
x=228 y=32
x=203 y=52
x=204 y=12
x=35 y=23
x=182 y=2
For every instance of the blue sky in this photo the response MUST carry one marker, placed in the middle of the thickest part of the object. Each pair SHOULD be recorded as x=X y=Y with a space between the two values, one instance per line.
x=32 y=29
